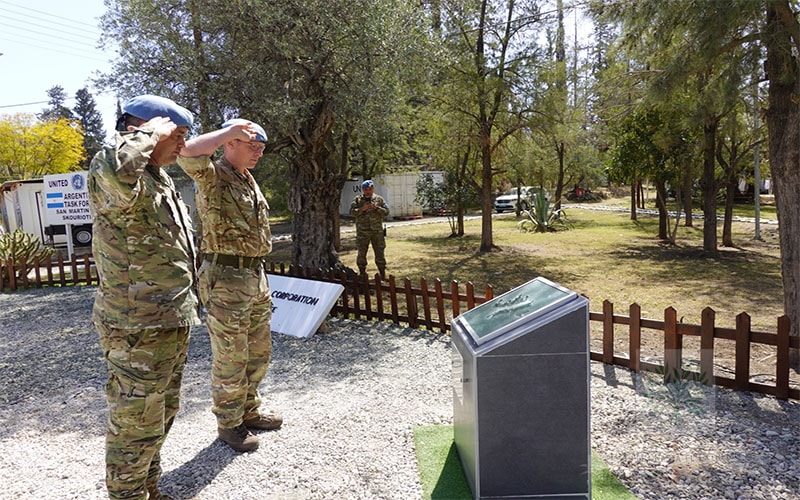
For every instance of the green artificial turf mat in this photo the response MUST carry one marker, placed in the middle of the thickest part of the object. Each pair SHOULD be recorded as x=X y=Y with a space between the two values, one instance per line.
x=442 y=477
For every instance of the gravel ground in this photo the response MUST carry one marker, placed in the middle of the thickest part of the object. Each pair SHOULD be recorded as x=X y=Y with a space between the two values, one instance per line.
x=350 y=399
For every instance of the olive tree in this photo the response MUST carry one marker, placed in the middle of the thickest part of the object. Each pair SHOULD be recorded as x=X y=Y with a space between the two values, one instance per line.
x=319 y=76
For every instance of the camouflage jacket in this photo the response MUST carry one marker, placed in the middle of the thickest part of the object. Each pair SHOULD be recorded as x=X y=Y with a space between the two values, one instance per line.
x=233 y=212
x=143 y=242
x=370 y=220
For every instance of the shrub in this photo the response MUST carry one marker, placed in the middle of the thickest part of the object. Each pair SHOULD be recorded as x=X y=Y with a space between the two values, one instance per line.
x=20 y=246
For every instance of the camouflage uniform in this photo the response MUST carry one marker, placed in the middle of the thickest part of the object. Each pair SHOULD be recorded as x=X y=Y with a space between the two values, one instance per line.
x=144 y=307
x=235 y=223
x=369 y=229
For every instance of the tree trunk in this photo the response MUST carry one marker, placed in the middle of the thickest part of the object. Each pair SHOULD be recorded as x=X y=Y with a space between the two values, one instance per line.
x=727 y=223
x=783 y=123
x=640 y=198
x=561 y=149
x=687 y=194
x=337 y=229
x=484 y=135
x=709 y=186
x=634 y=194
x=487 y=238
x=315 y=208
x=314 y=194
x=344 y=170
x=663 y=213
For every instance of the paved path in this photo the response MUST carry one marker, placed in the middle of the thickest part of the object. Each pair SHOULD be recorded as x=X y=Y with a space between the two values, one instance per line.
x=695 y=214
x=582 y=206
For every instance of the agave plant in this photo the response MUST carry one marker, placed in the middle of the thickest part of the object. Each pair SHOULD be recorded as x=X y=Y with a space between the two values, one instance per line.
x=542 y=217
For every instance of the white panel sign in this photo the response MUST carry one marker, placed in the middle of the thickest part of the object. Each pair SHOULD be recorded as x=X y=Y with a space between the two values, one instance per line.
x=67 y=199
x=300 y=305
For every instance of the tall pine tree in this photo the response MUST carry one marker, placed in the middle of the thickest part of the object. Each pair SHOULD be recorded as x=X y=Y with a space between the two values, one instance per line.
x=91 y=122
x=57 y=109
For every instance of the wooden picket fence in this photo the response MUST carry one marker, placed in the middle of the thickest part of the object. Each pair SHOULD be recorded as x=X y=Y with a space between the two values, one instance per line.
x=701 y=367
x=432 y=305
x=78 y=270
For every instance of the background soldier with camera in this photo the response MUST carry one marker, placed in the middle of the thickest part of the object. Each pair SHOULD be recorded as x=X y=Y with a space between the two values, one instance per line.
x=369 y=209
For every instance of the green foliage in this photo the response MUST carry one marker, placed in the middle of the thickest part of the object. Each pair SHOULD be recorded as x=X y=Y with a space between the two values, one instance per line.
x=91 y=123
x=637 y=149
x=328 y=90
x=430 y=194
x=452 y=196
x=30 y=148
x=57 y=110
x=21 y=246
x=542 y=216
x=485 y=86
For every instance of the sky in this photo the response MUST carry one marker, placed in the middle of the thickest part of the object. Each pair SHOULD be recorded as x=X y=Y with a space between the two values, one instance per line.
x=46 y=43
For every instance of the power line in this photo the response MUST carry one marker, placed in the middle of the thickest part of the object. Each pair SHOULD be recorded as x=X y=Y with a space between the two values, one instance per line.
x=58 y=38
x=26 y=19
x=73 y=40
x=20 y=105
x=60 y=18
x=51 y=49
x=22 y=20
x=24 y=104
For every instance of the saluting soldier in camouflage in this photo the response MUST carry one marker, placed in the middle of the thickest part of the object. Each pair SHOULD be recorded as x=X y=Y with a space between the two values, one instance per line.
x=145 y=302
x=233 y=283
x=369 y=209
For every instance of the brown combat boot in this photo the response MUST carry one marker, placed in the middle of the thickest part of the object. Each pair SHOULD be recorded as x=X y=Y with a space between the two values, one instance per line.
x=263 y=421
x=154 y=494
x=239 y=438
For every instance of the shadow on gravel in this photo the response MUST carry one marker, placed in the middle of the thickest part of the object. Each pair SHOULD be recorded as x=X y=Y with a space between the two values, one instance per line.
x=193 y=476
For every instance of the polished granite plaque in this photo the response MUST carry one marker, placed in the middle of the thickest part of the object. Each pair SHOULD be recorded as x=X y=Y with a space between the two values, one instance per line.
x=513 y=308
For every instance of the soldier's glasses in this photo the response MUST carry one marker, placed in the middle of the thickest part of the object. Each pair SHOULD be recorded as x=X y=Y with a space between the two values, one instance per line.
x=255 y=147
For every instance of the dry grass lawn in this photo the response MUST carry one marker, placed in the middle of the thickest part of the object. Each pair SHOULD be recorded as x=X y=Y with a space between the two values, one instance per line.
x=605 y=256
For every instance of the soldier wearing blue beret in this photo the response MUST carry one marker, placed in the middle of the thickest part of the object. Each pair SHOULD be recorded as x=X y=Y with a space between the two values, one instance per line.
x=369 y=209
x=232 y=279
x=143 y=246
x=147 y=107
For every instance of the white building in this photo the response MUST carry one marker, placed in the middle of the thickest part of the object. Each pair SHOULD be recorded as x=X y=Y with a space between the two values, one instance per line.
x=399 y=190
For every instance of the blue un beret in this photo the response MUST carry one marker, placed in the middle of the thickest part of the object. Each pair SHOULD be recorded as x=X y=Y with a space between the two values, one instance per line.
x=367 y=184
x=148 y=107
x=261 y=136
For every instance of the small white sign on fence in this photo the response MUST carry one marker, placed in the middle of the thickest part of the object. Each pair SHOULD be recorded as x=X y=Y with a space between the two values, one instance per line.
x=300 y=305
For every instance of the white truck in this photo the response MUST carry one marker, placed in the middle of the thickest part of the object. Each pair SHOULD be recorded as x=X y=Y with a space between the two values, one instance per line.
x=23 y=205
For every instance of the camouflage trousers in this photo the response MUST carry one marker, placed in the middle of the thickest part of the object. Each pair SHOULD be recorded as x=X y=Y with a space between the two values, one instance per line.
x=145 y=368
x=363 y=241
x=239 y=311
